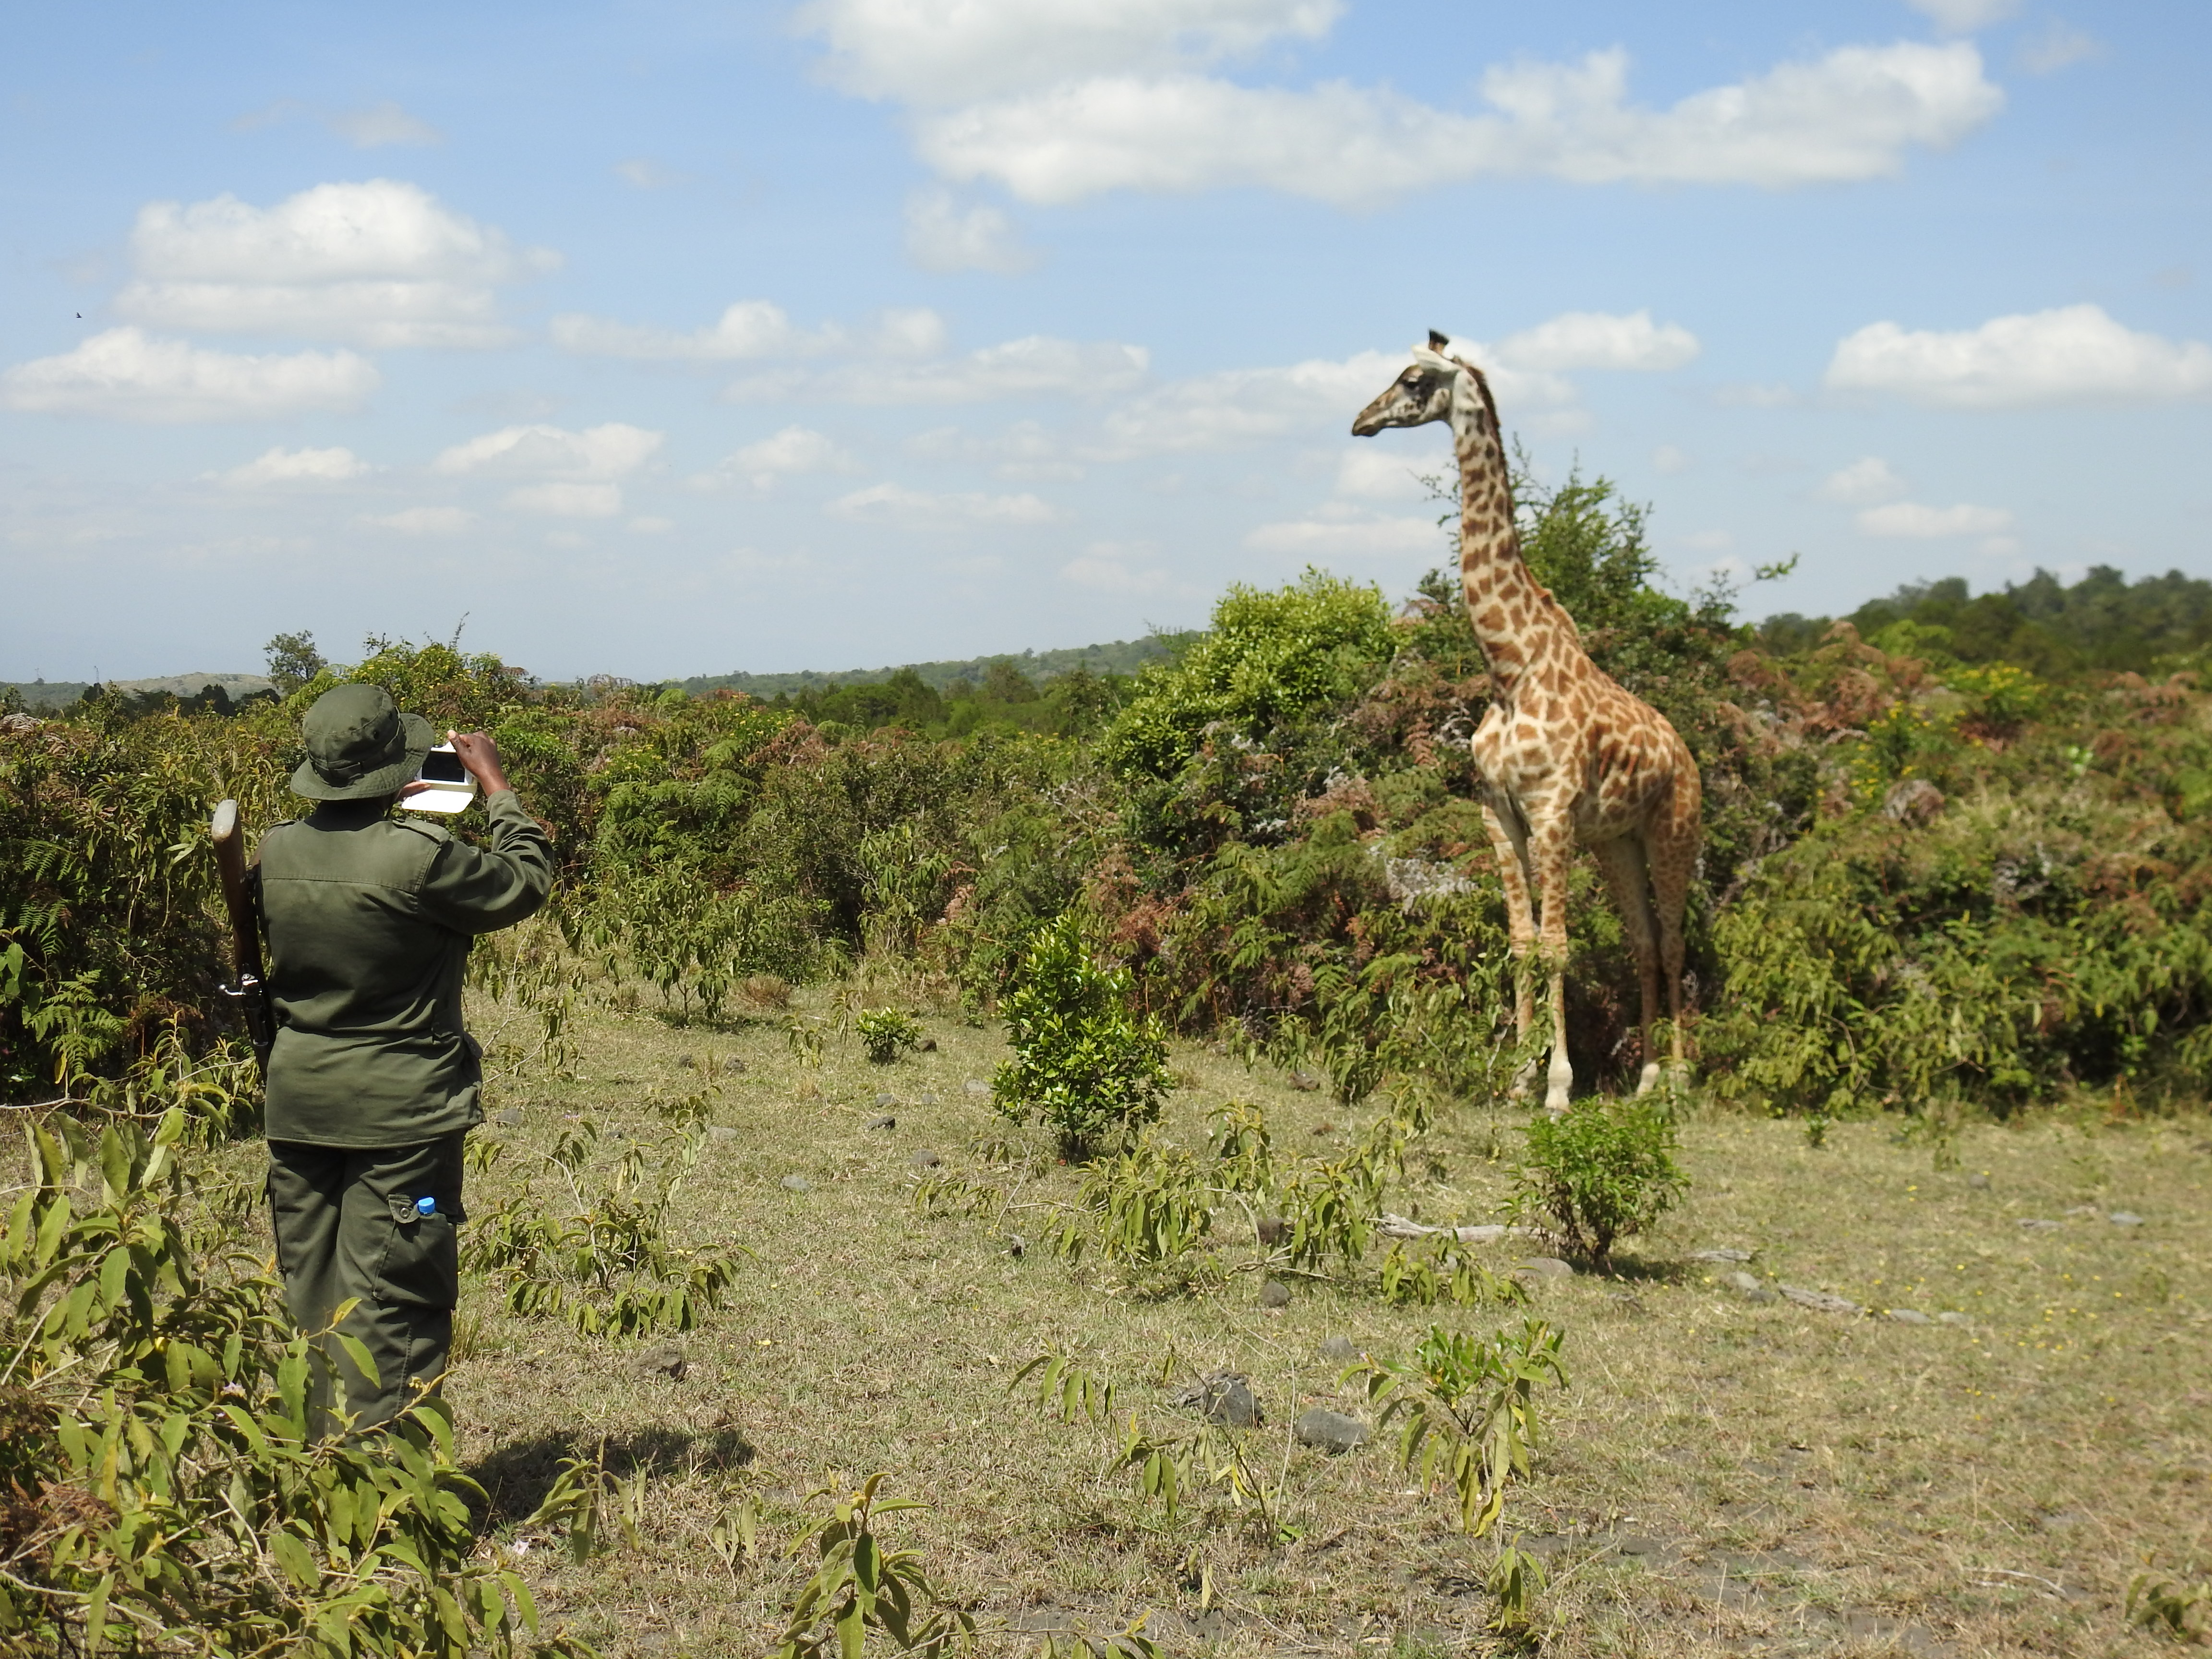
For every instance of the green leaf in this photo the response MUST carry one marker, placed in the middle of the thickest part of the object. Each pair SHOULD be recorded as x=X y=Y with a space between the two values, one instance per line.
x=296 y=1559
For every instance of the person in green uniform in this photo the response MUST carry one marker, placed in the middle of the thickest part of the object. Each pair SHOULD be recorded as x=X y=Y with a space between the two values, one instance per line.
x=373 y=1083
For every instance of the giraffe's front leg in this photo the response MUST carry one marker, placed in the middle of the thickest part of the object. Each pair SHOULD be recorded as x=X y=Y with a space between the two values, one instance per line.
x=1509 y=843
x=1551 y=846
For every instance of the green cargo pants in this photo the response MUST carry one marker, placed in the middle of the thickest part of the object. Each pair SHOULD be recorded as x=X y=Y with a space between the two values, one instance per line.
x=348 y=1227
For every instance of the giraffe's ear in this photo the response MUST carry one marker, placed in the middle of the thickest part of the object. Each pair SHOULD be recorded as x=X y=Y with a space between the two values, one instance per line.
x=1438 y=342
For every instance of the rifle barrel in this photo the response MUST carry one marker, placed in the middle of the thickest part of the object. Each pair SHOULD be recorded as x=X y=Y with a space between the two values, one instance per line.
x=251 y=991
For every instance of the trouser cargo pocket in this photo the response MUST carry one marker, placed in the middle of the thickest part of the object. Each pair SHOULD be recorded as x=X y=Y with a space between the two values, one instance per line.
x=421 y=1266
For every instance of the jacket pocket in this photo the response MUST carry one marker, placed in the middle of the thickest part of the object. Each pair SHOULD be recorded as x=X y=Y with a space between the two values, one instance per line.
x=422 y=1265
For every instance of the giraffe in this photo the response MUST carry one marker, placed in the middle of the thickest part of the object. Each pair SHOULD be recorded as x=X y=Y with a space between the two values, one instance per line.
x=1566 y=754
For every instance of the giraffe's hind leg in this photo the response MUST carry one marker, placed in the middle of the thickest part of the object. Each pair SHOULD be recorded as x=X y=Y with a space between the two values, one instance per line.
x=1628 y=878
x=1671 y=841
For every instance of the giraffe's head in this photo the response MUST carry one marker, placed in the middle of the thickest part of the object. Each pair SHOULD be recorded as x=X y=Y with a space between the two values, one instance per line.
x=1422 y=394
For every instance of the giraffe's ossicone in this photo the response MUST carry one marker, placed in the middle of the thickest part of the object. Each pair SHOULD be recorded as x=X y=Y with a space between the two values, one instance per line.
x=1566 y=755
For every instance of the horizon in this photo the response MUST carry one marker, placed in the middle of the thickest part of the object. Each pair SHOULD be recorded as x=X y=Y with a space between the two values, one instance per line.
x=873 y=330
x=832 y=675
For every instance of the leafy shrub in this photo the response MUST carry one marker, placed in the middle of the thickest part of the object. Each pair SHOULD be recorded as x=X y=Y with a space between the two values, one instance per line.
x=1470 y=1409
x=1151 y=1202
x=859 y=1584
x=695 y=945
x=607 y=1266
x=1444 y=1271
x=160 y=1487
x=2041 y=934
x=1268 y=658
x=886 y=1033
x=1600 y=1171
x=1084 y=1062
x=2160 y=1601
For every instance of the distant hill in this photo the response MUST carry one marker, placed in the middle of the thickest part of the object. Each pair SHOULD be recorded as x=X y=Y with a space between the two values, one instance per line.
x=1115 y=656
x=47 y=695
x=2102 y=621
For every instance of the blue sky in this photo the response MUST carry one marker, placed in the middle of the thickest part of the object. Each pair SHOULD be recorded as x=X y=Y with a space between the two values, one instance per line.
x=662 y=339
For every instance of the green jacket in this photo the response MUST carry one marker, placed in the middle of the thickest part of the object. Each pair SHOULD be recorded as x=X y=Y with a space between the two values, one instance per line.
x=370 y=919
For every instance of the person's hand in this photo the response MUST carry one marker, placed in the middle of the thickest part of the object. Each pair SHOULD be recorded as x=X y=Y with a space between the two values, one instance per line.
x=479 y=756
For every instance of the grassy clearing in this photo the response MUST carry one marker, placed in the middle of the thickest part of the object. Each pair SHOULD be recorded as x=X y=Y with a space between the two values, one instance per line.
x=1724 y=1475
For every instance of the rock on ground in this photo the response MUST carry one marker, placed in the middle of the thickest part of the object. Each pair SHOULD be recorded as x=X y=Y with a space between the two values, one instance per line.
x=1821 y=1301
x=1224 y=1397
x=662 y=1360
x=1333 y=1431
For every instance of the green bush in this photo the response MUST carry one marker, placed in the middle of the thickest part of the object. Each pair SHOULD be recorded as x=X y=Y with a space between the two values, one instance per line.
x=1600 y=1171
x=161 y=1488
x=1084 y=1062
x=886 y=1033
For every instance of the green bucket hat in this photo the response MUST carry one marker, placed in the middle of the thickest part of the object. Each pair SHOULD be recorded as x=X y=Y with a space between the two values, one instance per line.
x=359 y=744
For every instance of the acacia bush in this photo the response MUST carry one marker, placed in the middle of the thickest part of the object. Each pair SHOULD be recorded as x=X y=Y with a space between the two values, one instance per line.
x=1927 y=870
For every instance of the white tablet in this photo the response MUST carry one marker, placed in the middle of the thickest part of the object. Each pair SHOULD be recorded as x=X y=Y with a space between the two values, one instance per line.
x=451 y=787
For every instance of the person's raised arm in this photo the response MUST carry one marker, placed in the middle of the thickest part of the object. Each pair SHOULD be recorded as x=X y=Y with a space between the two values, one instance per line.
x=478 y=890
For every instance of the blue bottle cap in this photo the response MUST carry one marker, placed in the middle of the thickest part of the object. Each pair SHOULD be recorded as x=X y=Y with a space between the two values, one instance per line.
x=426 y=1207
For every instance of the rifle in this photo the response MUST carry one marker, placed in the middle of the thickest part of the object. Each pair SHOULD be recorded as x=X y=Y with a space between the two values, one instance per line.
x=251 y=994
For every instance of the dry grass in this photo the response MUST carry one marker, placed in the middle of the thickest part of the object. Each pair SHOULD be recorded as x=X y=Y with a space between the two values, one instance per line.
x=1724 y=1475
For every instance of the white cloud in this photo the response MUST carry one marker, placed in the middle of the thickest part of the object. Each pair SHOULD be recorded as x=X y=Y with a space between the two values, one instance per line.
x=1867 y=480
x=612 y=450
x=1913 y=522
x=382 y=124
x=1965 y=16
x=1232 y=408
x=1670 y=459
x=1238 y=406
x=427 y=520
x=914 y=509
x=269 y=115
x=280 y=465
x=1037 y=366
x=378 y=264
x=796 y=449
x=1851 y=115
x=1372 y=473
x=642 y=173
x=753 y=329
x=1338 y=529
x=1026 y=449
x=1754 y=395
x=1105 y=567
x=2073 y=355
x=648 y=525
x=940 y=235
x=940 y=52
x=1595 y=339
x=2058 y=46
x=568 y=500
x=130 y=375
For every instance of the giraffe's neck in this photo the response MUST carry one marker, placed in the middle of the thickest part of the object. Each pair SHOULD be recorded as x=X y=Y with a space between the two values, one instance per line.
x=1517 y=623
